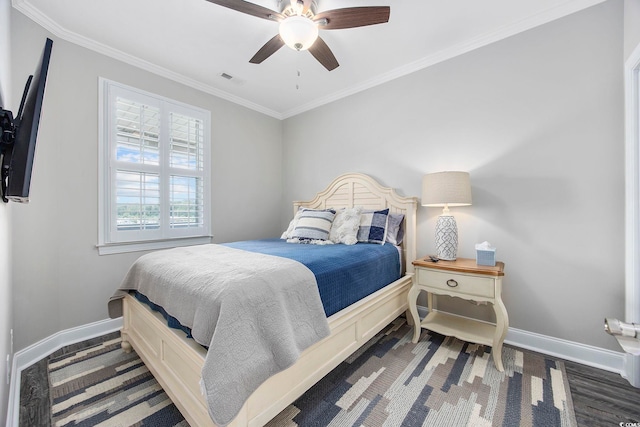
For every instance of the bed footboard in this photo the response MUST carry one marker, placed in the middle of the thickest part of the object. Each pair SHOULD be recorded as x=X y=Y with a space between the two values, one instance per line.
x=176 y=361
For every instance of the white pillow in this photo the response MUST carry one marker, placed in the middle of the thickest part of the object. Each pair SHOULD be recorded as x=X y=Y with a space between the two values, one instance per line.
x=345 y=226
x=292 y=225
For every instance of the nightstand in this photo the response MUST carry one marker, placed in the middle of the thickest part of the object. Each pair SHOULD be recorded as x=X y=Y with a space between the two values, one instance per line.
x=461 y=278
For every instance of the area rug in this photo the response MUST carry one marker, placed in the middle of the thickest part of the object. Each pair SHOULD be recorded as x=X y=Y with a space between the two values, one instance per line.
x=440 y=381
x=104 y=386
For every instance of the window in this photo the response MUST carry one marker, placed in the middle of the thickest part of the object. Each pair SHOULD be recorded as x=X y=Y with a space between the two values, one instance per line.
x=154 y=182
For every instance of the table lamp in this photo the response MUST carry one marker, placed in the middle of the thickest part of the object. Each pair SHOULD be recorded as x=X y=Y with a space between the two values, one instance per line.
x=444 y=189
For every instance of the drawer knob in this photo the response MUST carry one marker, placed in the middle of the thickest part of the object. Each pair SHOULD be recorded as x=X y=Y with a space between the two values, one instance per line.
x=452 y=283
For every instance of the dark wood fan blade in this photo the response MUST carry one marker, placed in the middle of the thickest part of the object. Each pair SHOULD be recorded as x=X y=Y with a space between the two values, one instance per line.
x=267 y=50
x=323 y=54
x=351 y=17
x=250 y=9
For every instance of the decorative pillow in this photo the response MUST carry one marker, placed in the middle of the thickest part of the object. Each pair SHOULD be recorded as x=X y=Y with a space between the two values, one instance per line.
x=313 y=224
x=345 y=226
x=373 y=226
x=292 y=225
x=395 y=231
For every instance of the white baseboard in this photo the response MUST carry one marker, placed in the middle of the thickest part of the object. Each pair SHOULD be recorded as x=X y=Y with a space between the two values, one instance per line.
x=581 y=353
x=35 y=352
x=596 y=357
x=632 y=370
x=585 y=354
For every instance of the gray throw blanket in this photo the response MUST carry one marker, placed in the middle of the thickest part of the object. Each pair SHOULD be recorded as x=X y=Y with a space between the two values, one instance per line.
x=256 y=313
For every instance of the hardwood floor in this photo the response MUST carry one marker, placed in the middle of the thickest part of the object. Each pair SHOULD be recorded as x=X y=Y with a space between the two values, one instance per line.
x=34 y=396
x=600 y=398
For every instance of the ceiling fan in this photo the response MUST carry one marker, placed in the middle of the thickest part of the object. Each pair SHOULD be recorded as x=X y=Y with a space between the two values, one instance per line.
x=299 y=25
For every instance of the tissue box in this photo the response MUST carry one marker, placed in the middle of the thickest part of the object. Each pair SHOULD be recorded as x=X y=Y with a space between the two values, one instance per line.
x=486 y=257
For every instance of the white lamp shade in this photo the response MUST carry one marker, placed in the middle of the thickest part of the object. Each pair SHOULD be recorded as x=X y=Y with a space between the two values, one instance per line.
x=446 y=189
x=298 y=32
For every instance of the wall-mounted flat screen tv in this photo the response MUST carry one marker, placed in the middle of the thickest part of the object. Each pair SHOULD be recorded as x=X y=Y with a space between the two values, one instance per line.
x=19 y=134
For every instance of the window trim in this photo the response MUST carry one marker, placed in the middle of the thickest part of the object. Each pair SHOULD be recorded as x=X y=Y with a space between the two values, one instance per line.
x=105 y=245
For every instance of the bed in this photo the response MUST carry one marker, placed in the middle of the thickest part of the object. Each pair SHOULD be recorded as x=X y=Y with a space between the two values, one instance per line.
x=177 y=361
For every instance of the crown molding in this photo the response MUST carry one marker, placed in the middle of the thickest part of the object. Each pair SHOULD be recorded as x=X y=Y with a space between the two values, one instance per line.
x=44 y=21
x=566 y=8
x=561 y=10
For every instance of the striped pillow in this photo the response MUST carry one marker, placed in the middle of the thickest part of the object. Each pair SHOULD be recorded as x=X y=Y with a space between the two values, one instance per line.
x=313 y=224
x=373 y=226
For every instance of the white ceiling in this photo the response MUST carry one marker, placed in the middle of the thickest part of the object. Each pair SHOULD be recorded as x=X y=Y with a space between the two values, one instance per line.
x=194 y=41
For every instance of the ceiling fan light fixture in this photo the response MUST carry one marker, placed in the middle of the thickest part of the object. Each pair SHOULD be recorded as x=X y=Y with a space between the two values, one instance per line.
x=298 y=32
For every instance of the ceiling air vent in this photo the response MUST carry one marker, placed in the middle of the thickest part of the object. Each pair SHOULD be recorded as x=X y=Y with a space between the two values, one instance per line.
x=232 y=79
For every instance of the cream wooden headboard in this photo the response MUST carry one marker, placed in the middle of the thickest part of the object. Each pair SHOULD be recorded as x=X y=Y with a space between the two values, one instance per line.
x=356 y=189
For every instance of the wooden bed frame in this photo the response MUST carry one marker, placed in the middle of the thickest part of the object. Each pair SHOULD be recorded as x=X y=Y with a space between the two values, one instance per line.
x=176 y=361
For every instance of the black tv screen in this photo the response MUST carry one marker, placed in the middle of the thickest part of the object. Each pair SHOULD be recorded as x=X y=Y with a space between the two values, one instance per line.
x=24 y=146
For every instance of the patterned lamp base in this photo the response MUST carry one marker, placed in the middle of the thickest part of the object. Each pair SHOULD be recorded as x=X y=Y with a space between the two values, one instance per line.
x=446 y=238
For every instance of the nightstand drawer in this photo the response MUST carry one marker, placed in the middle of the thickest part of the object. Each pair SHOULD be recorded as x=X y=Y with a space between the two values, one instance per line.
x=458 y=283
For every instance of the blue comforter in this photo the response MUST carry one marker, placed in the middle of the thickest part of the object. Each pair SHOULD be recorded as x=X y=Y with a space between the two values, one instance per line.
x=345 y=273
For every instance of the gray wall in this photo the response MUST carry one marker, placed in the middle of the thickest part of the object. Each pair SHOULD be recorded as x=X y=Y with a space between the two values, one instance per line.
x=537 y=120
x=5 y=220
x=60 y=281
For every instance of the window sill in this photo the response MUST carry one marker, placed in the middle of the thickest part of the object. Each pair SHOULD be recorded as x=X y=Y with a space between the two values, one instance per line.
x=120 y=248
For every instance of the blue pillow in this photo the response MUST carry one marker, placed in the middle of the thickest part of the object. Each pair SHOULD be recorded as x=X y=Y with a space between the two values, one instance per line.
x=313 y=224
x=373 y=226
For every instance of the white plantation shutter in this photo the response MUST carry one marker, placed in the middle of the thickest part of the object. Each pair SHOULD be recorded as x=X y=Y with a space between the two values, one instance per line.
x=137 y=132
x=186 y=160
x=187 y=142
x=137 y=189
x=155 y=164
x=137 y=201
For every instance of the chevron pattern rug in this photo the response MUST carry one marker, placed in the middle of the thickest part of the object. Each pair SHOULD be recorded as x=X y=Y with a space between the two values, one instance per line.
x=440 y=381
